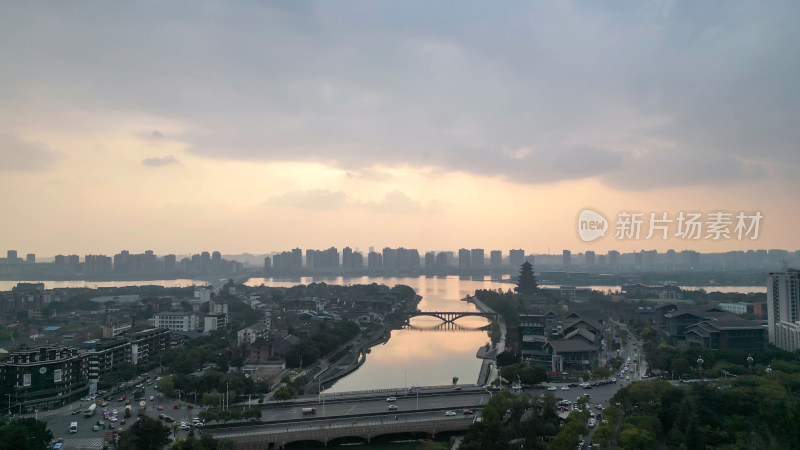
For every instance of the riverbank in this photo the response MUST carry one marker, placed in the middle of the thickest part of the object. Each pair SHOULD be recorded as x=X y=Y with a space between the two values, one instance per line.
x=489 y=353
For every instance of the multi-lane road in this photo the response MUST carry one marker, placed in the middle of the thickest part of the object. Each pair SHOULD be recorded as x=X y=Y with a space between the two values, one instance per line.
x=360 y=407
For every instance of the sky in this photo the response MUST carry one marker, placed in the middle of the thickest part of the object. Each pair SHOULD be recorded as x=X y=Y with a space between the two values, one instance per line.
x=238 y=126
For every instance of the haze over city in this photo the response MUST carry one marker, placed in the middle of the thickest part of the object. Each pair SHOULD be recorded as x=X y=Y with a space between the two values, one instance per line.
x=263 y=127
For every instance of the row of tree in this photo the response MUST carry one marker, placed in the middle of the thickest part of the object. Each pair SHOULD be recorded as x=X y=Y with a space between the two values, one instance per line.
x=228 y=415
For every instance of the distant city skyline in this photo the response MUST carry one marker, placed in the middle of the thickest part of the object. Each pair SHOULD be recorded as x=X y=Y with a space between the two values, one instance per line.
x=261 y=126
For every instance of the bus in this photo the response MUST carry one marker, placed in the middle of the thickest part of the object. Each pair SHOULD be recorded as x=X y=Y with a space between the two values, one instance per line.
x=90 y=410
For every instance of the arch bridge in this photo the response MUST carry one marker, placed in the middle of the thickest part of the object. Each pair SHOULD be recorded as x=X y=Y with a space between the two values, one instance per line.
x=452 y=316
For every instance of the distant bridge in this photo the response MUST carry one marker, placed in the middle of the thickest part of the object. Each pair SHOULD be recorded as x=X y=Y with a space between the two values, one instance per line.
x=452 y=316
x=444 y=326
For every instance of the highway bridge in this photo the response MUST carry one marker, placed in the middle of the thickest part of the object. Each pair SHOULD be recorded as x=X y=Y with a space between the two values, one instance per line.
x=277 y=436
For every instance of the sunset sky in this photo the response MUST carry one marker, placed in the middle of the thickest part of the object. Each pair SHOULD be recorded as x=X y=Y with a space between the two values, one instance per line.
x=261 y=126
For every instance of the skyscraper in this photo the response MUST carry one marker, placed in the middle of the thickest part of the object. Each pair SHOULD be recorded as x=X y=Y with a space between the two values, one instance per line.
x=566 y=257
x=496 y=258
x=464 y=260
x=783 y=302
x=516 y=258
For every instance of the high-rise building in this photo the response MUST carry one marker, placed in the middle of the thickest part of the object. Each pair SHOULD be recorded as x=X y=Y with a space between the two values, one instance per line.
x=613 y=257
x=496 y=258
x=589 y=257
x=783 y=308
x=566 y=257
x=476 y=258
x=516 y=258
x=374 y=261
x=430 y=261
x=11 y=256
x=464 y=260
x=442 y=260
x=30 y=258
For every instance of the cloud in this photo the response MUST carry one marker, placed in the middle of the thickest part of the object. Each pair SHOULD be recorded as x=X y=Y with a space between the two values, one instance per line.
x=491 y=91
x=315 y=199
x=17 y=154
x=393 y=202
x=160 y=162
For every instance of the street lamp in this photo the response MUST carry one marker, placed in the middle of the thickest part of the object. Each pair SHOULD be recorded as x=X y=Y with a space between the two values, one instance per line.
x=750 y=362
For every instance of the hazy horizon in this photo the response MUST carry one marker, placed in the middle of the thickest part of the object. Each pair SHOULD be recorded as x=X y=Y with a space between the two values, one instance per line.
x=259 y=127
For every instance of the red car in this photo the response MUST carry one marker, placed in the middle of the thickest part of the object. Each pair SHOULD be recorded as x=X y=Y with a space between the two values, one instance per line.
x=176 y=407
x=457 y=388
x=123 y=398
x=160 y=408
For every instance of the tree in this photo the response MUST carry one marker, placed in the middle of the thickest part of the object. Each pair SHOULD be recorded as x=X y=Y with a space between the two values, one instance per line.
x=526 y=284
x=145 y=434
x=25 y=433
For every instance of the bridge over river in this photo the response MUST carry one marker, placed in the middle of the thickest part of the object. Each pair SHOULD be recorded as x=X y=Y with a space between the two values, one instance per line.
x=276 y=436
x=452 y=316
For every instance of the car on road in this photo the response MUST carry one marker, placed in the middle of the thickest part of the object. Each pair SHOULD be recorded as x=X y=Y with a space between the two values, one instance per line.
x=161 y=416
x=552 y=388
x=627 y=377
x=391 y=399
x=151 y=398
x=77 y=411
x=185 y=426
x=450 y=413
x=176 y=406
x=392 y=407
x=160 y=408
x=457 y=388
x=95 y=428
x=468 y=412
x=113 y=418
x=123 y=398
x=592 y=423
x=169 y=419
x=613 y=380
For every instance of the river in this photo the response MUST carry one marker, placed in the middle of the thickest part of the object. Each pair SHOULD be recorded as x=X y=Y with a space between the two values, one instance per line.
x=417 y=357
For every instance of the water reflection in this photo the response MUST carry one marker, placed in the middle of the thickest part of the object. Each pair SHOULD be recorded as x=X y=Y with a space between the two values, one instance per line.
x=183 y=282
x=418 y=357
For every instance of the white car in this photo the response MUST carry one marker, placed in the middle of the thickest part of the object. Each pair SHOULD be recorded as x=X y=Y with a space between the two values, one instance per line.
x=391 y=399
x=613 y=380
x=564 y=388
x=627 y=377
x=151 y=398
x=392 y=407
x=592 y=423
x=185 y=426
x=450 y=413
x=552 y=388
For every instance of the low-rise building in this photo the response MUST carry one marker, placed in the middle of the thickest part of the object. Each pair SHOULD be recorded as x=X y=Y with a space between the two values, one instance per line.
x=737 y=308
x=727 y=334
x=250 y=334
x=43 y=378
x=176 y=321
x=213 y=322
